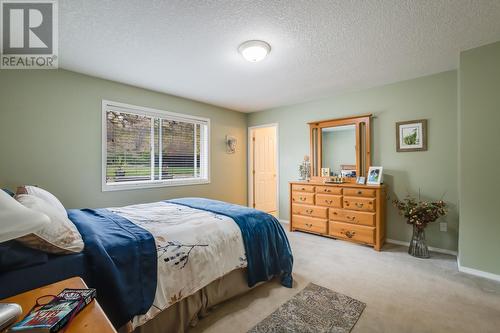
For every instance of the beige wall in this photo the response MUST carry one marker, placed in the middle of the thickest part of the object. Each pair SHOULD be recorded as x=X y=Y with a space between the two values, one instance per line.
x=434 y=172
x=50 y=134
x=480 y=158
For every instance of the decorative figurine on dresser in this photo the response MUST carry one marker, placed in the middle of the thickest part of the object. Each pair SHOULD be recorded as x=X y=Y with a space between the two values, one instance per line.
x=332 y=203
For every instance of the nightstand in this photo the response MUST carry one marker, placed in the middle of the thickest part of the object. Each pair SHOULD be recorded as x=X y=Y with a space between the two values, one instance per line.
x=91 y=319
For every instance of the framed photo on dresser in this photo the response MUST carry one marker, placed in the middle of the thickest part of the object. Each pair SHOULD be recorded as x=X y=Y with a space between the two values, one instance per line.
x=325 y=172
x=375 y=176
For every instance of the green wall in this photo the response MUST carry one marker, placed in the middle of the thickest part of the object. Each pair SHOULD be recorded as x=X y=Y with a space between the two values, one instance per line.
x=479 y=118
x=50 y=134
x=434 y=171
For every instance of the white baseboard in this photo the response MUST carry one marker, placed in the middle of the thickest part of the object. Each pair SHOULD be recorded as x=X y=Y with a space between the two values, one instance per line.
x=477 y=272
x=463 y=269
x=435 y=249
x=284 y=221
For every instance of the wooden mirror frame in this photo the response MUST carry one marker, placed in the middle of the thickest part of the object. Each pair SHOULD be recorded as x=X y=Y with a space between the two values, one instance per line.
x=363 y=142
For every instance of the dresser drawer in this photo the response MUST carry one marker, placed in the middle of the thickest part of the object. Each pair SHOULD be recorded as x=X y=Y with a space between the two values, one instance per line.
x=353 y=232
x=359 y=192
x=329 y=200
x=303 y=197
x=359 y=203
x=303 y=188
x=309 y=224
x=329 y=190
x=306 y=210
x=352 y=217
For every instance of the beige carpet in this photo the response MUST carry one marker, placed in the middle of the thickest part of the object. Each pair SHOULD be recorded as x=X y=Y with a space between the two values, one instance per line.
x=402 y=293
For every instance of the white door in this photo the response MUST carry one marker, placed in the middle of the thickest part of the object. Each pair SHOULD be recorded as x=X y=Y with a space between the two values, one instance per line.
x=264 y=169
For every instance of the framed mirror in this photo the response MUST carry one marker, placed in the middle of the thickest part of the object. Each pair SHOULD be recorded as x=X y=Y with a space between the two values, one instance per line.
x=341 y=147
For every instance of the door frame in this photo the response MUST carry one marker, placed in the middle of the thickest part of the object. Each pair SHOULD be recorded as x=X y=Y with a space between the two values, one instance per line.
x=250 y=161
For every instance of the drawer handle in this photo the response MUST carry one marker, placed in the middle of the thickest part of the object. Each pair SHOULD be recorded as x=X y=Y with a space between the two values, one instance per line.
x=302 y=199
x=351 y=218
x=360 y=192
x=303 y=189
x=309 y=211
x=335 y=213
x=327 y=190
x=350 y=234
x=328 y=201
x=359 y=205
x=309 y=225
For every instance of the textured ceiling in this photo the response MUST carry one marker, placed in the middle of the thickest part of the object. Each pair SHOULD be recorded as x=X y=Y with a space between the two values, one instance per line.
x=319 y=48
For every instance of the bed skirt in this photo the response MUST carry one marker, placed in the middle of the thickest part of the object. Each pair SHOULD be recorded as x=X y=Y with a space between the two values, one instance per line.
x=178 y=317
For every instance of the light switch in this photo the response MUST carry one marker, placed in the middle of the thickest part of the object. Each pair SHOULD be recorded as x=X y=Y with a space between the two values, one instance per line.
x=443 y=226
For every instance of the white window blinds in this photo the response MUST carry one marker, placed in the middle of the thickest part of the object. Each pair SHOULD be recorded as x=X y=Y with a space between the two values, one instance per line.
x=147 y=148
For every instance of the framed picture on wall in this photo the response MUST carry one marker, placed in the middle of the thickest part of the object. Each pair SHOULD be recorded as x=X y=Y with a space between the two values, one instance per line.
x=411 y=135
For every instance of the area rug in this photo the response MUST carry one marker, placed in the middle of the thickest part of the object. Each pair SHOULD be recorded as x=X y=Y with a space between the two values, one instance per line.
x=316 y=310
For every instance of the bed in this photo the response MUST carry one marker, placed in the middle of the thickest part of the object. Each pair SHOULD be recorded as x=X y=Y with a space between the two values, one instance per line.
x=157 y=267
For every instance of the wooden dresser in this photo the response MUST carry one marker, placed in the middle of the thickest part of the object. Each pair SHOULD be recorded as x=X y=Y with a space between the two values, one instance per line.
x=346 y=211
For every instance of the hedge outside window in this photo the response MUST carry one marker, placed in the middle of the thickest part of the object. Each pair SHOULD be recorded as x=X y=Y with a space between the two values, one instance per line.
x=144 y=147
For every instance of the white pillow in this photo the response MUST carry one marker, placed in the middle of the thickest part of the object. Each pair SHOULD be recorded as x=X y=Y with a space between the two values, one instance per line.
x=44 y=195
x=60 y=236
x=17 y=220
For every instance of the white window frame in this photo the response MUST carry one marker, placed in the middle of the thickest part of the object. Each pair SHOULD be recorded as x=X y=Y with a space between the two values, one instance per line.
x=141 y=110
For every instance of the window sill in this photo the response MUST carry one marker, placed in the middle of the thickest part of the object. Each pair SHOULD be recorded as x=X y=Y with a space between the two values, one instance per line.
x=148 y=184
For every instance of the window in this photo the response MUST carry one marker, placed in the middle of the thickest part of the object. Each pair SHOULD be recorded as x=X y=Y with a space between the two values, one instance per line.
x=144 y=147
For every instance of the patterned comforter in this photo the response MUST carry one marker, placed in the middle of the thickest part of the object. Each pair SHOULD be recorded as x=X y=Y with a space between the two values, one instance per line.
x=195 y=247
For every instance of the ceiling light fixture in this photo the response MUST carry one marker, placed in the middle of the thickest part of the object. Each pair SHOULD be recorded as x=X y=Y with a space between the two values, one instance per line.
x=254 y=50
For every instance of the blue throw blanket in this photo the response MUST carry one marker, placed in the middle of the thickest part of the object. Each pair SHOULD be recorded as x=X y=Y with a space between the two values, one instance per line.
x=122 y=262
x=266 y=245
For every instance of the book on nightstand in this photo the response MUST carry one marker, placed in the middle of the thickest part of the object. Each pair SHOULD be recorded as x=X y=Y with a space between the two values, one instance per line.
x=56 y=314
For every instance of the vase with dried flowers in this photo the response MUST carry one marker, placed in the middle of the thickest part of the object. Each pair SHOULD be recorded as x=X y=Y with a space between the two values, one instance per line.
x=420 y=213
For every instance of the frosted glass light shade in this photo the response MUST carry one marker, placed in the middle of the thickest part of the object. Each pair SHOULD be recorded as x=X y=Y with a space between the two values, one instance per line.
x=16 y=220
x=254 y=50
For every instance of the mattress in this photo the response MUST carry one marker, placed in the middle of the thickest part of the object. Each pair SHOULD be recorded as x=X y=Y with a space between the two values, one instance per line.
x=57 y=268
